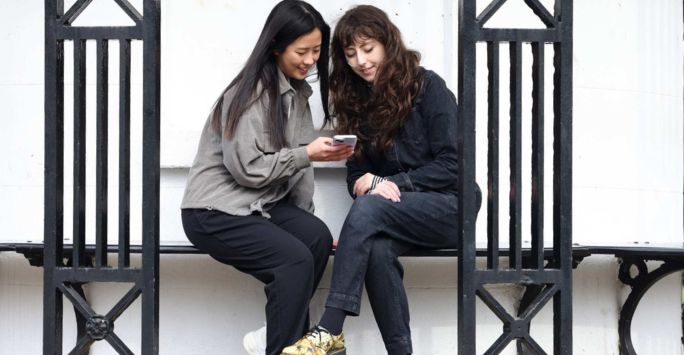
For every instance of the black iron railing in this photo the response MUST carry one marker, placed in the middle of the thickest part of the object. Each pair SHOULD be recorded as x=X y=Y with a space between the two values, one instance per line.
x=63 y=280
x=544 y=281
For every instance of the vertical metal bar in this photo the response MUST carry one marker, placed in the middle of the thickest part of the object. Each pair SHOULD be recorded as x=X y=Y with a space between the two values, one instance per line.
x=79 y=152
x=124 y=152
x=515 y=207
x=151 y=171
x=537 y=203
x=562 y=177
x=493 y=157
x=102 y=154
x=467 y=34
x=54 y=178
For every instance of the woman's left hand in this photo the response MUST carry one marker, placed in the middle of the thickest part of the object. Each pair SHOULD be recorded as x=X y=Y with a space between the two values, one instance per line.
x=388 y=190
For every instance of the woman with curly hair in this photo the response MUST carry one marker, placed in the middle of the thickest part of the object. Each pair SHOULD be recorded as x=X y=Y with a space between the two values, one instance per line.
x=403 y=176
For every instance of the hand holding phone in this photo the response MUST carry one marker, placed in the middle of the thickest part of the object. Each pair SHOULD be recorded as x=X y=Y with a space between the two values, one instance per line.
x=325 y=149
x=344 y=139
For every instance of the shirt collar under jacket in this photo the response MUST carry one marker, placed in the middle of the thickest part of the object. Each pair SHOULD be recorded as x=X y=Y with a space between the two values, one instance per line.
x=286 y=85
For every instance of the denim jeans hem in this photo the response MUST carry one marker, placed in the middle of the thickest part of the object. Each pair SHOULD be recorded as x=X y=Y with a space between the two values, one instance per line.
x=347 y=303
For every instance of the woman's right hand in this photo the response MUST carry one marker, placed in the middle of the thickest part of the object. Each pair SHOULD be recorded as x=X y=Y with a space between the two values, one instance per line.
x=322 y=149
x=363 y=184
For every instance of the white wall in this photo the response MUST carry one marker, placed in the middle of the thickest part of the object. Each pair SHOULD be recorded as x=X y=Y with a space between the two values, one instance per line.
x=627 y=172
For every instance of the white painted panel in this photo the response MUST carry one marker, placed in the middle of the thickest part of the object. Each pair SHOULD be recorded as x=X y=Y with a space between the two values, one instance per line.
x=200 y=60
x=22 y=41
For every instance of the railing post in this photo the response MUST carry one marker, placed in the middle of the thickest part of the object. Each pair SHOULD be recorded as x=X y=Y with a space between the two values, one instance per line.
x=466 y=146
x=562 y=177
x=543 y=282
x=63 y=281
x=151 y=147
x=54 y=177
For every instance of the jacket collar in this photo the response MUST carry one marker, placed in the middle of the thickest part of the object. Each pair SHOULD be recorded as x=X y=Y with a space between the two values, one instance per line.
x=285 y=85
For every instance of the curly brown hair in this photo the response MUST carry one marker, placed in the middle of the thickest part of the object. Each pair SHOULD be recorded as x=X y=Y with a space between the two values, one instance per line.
x=374 y=113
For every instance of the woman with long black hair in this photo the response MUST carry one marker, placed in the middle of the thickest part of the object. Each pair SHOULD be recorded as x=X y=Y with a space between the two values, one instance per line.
x=248 y=198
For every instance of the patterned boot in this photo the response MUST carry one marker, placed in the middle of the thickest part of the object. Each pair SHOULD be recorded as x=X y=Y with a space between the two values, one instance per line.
x=318 y=341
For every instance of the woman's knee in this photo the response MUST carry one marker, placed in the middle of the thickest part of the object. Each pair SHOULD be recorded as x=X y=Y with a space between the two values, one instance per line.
x=323 y=238
x=366 y=210
x=321 y=230
x=297 y=267
x=367 y=204
x=300 y=257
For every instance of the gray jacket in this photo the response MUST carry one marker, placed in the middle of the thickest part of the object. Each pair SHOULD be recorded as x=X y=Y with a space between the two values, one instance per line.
x=246 y=174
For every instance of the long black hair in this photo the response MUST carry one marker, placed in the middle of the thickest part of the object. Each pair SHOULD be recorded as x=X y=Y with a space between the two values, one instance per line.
x=289 y=20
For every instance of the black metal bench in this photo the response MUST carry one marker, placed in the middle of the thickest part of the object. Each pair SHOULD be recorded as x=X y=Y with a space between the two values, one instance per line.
x=545 y=273
x=632 y=258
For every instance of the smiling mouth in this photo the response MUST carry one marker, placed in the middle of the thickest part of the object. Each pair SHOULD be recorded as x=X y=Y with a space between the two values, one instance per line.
x=366 y=71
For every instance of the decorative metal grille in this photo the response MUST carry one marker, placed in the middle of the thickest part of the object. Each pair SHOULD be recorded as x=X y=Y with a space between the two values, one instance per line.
x=543 y=280
x=64 y=280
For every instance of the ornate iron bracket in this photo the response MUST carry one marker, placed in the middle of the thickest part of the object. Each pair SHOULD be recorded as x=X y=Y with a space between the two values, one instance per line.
x=640 y=284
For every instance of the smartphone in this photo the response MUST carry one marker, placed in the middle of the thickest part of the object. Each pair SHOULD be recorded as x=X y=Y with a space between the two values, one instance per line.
x=346 y=139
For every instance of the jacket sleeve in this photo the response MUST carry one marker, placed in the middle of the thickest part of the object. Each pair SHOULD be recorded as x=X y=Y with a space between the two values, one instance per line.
x=439 y=109
x=250 y=157
x=355 y=169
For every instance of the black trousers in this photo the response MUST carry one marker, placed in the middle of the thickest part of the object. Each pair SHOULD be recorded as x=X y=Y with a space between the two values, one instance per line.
x=288 y=253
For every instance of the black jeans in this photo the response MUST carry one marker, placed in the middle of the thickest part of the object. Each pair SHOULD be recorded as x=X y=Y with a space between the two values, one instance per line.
x=287 y=252
x=374 y=234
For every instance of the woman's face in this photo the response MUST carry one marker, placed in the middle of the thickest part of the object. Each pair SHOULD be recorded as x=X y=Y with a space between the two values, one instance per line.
x=298 y=57
x=365 y=56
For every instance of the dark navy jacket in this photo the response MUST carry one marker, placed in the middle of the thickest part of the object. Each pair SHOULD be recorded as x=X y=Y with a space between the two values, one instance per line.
x=424 y=154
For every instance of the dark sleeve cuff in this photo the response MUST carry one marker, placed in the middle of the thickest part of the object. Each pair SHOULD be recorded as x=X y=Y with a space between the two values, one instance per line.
x=402 y=181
